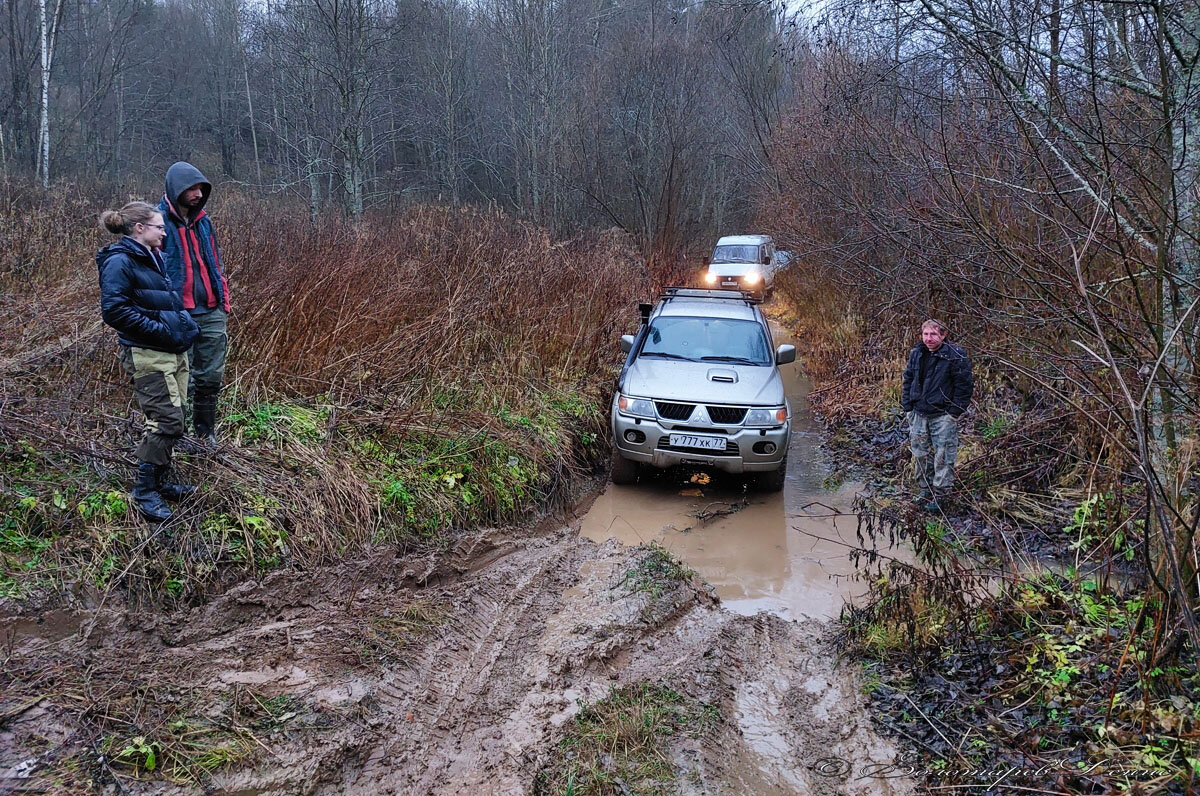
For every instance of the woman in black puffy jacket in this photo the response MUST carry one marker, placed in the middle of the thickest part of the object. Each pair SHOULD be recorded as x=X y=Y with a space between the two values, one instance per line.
x=136 y=299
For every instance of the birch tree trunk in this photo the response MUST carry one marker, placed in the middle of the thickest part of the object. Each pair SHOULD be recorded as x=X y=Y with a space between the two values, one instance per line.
x=43 y=160
x=48 y=32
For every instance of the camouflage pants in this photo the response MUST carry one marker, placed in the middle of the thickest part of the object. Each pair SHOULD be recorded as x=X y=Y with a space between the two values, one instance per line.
x=934 y=443
x=160 y=383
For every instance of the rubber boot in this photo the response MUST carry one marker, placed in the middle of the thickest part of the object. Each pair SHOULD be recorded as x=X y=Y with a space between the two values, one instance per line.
x=204 y=416
x=168 y=487
x=938 y=503
x=146 y=495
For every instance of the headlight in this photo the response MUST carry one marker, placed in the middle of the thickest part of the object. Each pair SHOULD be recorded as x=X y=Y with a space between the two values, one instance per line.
x=638 y=407
x=767 y=417
x=752 y=278
x=710 y=279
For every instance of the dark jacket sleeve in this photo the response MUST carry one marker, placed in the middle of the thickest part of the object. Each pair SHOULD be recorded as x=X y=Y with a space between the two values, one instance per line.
x=181 y=327
x=964 y=384
x=909 y=374
x=117 y=307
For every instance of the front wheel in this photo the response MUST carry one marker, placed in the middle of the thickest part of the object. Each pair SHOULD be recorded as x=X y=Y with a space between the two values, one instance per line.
x=624 y=471
x=773 y=481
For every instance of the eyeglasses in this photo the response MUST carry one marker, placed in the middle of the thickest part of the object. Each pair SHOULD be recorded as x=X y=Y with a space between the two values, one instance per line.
x=163 y=227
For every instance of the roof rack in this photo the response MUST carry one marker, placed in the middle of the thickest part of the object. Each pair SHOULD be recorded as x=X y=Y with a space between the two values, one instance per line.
x=696 y=292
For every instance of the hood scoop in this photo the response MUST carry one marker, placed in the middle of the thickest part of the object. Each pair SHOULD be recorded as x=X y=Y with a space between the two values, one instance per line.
x=723 y=375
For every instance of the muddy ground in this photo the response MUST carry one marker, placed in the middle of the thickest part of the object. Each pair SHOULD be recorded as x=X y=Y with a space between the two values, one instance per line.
x=523 y=629
x=460 y=672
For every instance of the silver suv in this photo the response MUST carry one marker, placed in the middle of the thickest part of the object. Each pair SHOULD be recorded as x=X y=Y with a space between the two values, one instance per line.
x=701 y=386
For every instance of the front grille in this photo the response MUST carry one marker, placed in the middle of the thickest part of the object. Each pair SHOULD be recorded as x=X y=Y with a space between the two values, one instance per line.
x=700 y=429
x=674 y=411
x=731 y=448
x=731 y=415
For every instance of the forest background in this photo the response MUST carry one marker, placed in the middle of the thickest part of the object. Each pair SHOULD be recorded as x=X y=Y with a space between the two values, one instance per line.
x=1025 y=170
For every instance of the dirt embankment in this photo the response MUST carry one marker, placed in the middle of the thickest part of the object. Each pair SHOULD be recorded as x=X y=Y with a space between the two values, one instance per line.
x=449 y=674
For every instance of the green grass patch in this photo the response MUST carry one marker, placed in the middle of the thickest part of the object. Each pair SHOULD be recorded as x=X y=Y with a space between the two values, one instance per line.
x=482 y=468
x=182 y=751
x=279 y=421
x=657 y=571
x=621 y=744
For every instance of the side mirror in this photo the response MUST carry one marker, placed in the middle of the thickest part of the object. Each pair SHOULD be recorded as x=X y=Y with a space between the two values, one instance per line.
x=785 y=354
x=627 y=344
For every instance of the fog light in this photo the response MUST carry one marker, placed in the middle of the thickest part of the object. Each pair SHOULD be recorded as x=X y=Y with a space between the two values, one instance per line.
x=764 y=448
x=636 y=437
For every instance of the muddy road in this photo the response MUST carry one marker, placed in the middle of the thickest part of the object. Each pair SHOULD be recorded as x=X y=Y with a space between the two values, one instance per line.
x=461 y=672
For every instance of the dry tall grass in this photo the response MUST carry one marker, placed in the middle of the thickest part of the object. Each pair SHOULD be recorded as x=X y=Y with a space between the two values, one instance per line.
x=393 y=379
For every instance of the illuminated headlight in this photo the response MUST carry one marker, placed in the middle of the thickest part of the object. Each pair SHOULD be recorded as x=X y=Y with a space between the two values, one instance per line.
x=710 y=279
x=638 y=407
x=767 y=417
x=752 y=278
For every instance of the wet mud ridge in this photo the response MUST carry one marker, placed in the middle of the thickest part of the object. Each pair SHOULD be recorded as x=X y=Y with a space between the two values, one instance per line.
x=452 y=674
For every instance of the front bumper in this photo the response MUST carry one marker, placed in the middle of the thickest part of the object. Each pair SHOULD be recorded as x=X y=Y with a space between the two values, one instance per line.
x=737 y=283
x=738 y=457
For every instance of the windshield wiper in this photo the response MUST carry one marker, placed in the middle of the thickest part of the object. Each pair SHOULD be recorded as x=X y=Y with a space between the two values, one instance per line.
x=666 y=355
x=743 y=360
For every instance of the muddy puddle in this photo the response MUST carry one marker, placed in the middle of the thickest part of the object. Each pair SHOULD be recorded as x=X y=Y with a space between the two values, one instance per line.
x=786 y=553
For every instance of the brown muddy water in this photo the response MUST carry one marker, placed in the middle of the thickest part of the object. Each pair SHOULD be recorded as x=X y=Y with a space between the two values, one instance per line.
x=784 y=553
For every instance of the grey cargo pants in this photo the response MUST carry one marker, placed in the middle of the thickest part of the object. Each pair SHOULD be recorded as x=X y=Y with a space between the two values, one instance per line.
x=934 y=443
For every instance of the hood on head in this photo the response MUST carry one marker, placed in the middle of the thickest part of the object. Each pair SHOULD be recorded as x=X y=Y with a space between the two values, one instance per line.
x=183 y=175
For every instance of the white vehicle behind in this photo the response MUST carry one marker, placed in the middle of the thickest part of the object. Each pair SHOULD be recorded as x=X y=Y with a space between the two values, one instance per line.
x=745 y=262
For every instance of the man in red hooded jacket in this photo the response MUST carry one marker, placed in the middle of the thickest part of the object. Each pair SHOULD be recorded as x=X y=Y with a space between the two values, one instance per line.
x=193 y=262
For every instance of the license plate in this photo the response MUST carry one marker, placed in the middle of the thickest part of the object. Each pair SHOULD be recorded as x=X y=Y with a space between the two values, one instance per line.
x=729 y=284
x=697 y=441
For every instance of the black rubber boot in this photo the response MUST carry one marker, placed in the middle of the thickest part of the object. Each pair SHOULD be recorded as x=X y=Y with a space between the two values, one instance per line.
x=204 y=416
x=168 y=487
x=146 y=495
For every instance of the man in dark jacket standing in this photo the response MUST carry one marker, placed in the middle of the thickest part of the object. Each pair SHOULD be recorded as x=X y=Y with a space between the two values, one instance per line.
x=938 y=385
x=193 y=261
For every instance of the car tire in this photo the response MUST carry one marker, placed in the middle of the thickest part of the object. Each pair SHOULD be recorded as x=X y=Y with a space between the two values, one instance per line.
x=773 y=481
x=624 y=471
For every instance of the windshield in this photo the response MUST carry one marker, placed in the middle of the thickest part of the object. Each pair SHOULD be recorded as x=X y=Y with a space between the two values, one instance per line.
x=708 y=340
x=735 y=254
